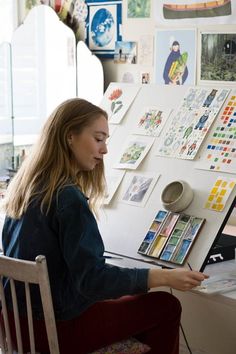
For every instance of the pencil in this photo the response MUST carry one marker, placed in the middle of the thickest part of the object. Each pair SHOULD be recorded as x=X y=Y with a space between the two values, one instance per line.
x=189 y=266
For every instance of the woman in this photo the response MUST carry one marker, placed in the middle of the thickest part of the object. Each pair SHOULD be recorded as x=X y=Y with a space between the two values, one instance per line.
x=49 y=210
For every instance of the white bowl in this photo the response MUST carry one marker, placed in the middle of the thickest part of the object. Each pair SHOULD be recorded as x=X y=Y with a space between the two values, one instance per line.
x=177 y=196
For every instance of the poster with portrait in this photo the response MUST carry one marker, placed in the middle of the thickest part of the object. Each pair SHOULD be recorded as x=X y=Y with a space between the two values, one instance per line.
x=171 y=12
x=175 y=56
x=103 y=26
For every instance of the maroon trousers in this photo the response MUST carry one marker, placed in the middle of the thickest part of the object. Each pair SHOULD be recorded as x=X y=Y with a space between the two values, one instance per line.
x=152 y=318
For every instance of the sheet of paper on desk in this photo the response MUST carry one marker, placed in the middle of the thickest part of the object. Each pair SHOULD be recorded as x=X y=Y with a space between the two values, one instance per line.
x=218 y=284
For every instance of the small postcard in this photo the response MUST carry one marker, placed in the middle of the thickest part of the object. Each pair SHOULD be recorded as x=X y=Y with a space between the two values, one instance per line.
x=222 y=283
x=152 y=121
x=219 y=193
x=113 y=178
x=134 y=151
x=125 y=52
x=139 y=188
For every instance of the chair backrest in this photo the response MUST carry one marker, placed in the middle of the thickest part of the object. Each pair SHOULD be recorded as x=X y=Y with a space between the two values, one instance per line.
x=28 y=272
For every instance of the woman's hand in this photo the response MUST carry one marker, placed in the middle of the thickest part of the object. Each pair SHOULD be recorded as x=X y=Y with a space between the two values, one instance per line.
x=179 y=279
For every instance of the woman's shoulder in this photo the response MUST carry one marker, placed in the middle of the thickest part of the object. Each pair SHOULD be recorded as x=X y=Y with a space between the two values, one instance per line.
x=69 y=195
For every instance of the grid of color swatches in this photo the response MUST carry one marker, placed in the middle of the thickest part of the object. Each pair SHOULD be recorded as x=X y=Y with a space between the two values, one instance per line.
x=222 y=146
x=171 y=236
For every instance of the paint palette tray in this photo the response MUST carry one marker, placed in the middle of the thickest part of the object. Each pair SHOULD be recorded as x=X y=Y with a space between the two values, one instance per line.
x=171 y=236
x=222 y=283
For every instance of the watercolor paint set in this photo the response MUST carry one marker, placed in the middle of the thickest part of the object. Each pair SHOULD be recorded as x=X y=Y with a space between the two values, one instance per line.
x=171 y=236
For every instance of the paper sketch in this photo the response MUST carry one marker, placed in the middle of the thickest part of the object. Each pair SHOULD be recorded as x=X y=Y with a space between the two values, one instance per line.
x=145 y=50
x=113 y=179
x=220 y=193
x=191 y=122
x=152 y=121
x=117 y=99
x=218 y=284
x=134 y=151
x=219 y=152
x=139 y=188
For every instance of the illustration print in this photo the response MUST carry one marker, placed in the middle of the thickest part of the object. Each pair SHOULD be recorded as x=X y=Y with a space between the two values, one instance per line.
x=152 y=121
x=191 y=122
x=134 y=150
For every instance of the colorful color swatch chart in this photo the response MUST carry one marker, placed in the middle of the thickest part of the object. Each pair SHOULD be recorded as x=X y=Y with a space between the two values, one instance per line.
x=219 y=193
x=220 y=151
x=191 y=122
x=171 y=236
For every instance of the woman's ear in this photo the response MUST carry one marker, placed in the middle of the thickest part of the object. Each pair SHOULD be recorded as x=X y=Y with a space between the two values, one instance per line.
x=69 y=138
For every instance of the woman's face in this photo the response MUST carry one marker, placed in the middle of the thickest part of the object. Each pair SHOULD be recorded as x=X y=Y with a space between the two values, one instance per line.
x=89 y=146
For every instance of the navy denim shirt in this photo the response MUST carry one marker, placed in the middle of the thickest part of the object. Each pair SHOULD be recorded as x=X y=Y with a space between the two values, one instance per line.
x=69 y=238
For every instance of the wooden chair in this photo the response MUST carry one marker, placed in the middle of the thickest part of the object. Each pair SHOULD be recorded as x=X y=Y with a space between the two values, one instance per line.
x=27 y=272
x=35 y=272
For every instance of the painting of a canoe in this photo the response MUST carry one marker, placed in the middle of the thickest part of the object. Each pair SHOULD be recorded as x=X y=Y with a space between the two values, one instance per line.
x=200 y=9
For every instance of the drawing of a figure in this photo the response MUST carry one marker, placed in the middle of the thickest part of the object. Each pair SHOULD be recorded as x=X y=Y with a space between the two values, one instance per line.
x=192 y=148
x=175 y=70
x=188 y=132
x=210 y=98
x=202 y=121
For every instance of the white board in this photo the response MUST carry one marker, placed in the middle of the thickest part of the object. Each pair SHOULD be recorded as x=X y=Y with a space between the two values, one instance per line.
x=123 y=226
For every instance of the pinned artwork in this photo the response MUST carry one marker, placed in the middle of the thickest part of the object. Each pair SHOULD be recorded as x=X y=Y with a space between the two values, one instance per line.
x=175 y=56
x=171 y=236
x=219 y=193
x=191 y=122
x=220 y=149
x=113 y=179
x=152 y=121
x=117 y=100
x=139 y=188
x=103 y=26
x=134 y=151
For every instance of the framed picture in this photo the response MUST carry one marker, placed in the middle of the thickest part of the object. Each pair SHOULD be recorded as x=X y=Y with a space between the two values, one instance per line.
x=217 y=57
x=103 y=26
x=175 y=56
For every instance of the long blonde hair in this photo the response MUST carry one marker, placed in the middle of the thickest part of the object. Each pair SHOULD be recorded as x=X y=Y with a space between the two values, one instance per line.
x=50 y=165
